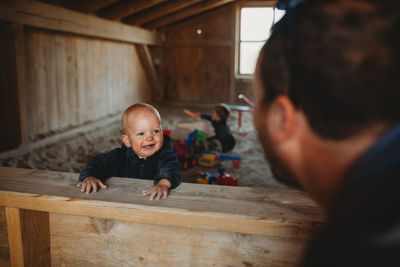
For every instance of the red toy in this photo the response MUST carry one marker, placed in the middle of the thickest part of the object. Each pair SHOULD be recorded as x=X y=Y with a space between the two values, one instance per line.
x=183 y=156
x=226 y=179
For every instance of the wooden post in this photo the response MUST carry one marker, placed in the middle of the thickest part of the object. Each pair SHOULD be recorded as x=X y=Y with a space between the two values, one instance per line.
x=148 y=66
x=14 y=236
x=28 y=237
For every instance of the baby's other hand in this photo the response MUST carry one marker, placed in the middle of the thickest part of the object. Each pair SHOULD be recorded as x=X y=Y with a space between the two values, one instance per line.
x=90 y=183
x=158 y=190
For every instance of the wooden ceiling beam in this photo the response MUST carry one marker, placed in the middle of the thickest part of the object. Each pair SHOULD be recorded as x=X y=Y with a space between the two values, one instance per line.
x=159 y=11
x=126 y=8
x=45 y=16
x=90 y=6
x=185 y=13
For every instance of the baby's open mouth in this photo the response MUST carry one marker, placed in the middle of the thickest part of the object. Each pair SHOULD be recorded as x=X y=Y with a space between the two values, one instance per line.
x=149 y=146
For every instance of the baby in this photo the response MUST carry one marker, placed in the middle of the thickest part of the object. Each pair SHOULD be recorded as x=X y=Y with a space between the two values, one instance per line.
x=145 y=153
x=223 y=138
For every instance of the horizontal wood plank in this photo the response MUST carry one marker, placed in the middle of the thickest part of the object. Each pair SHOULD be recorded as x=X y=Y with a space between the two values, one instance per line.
x=285 y=213
x=117 y=243
x=51 y=17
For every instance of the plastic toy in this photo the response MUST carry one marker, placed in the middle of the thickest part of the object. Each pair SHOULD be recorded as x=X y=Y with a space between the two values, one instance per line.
x=219 y=179
x=185 y=158
x=208 y=160
x=246 y=100
x=192 y=114
x=167 y=132
x=212 y=159
x=226 y=179
x=206 y=178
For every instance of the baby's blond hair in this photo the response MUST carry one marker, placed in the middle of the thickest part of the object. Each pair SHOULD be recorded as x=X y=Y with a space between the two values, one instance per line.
x=135 y=108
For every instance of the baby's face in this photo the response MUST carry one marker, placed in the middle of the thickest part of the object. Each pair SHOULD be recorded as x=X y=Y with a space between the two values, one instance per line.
x=214 y=115
x=144 y=133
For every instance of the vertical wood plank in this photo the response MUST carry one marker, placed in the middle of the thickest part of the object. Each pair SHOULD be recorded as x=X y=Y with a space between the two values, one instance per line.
x=28 y=237
x=15 y=236
x=31 y=51
x=35 y=228
x=72 y=80
x=21 y=82
x=4 y=247
x=51 y=85
x=61 y=81
x=41 y=88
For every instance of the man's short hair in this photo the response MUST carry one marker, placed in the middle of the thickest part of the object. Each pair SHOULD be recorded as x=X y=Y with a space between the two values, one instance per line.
x=339 y=64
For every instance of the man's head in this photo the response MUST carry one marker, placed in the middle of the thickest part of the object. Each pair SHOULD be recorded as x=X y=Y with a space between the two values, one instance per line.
x=333 y=66
x=142 y=131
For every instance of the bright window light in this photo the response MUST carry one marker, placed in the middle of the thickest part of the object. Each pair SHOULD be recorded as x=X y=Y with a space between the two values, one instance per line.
x=255 y=25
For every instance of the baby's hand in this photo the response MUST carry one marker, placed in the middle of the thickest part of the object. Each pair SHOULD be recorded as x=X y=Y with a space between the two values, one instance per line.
x=90 y=183
x=159 y=190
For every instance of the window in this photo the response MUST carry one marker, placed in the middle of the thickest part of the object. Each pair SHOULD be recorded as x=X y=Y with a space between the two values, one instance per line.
x=255 y=25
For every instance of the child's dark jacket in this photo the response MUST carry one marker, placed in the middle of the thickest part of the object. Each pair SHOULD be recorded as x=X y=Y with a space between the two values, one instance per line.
x=222 y=133
x=123 y=162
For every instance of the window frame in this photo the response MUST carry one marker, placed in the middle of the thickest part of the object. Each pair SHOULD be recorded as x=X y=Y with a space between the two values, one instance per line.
x=240 y=5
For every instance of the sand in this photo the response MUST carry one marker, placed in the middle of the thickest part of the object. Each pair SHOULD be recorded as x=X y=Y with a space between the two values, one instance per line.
x=72 y=154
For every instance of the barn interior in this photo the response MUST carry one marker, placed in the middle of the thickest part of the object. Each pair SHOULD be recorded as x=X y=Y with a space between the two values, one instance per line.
x=72 y=81
x=68 y=71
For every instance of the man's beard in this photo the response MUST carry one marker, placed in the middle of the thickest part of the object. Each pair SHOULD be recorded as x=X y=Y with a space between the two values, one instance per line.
x=280 y=171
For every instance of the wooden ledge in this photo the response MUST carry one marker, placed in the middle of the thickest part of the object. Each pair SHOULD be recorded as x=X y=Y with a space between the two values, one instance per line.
x=282 y=213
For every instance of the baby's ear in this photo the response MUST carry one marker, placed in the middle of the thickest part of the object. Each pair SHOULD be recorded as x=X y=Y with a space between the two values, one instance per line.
x=125 y=139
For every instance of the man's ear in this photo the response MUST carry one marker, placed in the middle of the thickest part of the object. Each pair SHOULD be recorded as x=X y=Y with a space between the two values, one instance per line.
x=125 y=139
x=282 y=119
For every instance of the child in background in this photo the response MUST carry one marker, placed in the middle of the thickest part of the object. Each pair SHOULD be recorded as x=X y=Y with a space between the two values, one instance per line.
x=223 y=138
x=145 y=153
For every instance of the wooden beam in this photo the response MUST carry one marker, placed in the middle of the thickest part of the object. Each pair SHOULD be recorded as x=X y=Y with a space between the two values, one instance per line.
x=28 y=237
x=51 y=17
x=15 y=236
x=187 y=12
x=159 y=11
x=279 y=213
x=89 y=6
x=148 y=66
x=126 y=8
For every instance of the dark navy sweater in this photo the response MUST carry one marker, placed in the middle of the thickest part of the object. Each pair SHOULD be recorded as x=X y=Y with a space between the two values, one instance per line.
x=123 y=162
x=222 y=133
x=363 y=227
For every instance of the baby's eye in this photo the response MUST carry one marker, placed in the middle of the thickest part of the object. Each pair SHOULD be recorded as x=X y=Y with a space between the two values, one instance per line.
x=156 y=131
x=140 y=134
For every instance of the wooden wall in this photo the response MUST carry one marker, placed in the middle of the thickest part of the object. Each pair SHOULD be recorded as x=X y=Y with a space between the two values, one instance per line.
x=61 y=69
x=73 y=80
x=200 y=68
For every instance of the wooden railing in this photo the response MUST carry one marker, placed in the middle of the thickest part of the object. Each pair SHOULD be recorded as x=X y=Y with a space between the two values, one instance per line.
x=50 y=222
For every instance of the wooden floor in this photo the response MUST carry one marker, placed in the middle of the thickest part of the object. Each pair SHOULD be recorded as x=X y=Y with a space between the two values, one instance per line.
x=198 y=225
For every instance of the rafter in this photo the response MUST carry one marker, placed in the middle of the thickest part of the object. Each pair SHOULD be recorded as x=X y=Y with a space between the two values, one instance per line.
x=187 y=12
x=159 y=11
x=126 y=8
x=89 y=6
x=41 y=15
